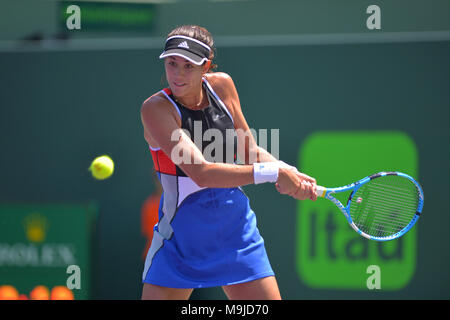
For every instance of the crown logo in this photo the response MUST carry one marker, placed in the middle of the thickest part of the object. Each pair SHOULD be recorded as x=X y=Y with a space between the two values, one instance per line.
x=36 y=226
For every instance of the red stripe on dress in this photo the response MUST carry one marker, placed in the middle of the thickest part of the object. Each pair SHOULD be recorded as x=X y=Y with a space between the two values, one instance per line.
x=162 y=162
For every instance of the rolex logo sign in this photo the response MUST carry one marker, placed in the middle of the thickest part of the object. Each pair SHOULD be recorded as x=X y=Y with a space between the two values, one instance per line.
x=39 y=242
x=42 y=236
x=36 y=226
x=36 y=238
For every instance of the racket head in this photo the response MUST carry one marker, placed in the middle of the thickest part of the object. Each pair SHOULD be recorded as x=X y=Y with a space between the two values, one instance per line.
x=385 y=206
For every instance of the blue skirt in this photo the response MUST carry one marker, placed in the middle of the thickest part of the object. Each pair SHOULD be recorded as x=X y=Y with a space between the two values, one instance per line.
x=212 y=241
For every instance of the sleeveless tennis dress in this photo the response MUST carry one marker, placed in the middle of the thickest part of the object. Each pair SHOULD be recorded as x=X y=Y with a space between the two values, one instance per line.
x=205 y=237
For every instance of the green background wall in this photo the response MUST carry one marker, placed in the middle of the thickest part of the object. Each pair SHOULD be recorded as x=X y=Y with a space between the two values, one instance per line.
x=59 y=109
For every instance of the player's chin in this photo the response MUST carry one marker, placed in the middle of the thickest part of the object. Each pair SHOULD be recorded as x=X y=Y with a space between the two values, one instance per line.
x=178 y=88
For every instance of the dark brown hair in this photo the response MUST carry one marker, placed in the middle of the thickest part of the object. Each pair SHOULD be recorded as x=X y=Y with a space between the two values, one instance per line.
x=200 y=34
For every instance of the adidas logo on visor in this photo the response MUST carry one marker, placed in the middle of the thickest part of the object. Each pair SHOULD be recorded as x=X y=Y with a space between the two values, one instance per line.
x=183 y=45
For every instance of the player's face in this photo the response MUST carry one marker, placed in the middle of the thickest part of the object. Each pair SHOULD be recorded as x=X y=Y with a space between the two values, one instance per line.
x=183 y=76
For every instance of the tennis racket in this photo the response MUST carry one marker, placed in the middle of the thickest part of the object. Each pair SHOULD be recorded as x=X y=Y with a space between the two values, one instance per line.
x=381 y=207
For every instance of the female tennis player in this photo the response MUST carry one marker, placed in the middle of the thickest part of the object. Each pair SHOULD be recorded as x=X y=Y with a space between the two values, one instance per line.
x=207 y=235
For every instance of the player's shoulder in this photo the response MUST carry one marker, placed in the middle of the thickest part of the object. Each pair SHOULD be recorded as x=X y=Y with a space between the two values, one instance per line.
x=155 y=102
x=222 y=83
x=219 y=79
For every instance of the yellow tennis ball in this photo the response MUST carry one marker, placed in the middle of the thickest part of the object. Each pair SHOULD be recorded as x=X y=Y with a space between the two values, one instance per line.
x=102 y=167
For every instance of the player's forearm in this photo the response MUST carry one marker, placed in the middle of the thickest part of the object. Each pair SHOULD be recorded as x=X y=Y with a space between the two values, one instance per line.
x=213 y=175
x=223 y=175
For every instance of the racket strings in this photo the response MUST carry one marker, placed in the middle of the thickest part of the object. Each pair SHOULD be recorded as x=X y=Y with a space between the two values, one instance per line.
x=386 y=217
x=381 y=227
x=378 y=220
x=383 y=224
x=400 y=196
x=393 y=205
x=386 y=205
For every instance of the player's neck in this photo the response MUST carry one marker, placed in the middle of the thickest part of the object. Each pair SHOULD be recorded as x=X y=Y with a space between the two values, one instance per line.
x=195 y=101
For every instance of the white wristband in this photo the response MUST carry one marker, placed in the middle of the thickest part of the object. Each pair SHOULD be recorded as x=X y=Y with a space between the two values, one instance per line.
x=265 y=172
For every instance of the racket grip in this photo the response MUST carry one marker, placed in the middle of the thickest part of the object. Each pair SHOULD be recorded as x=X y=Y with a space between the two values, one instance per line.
x=321 y=191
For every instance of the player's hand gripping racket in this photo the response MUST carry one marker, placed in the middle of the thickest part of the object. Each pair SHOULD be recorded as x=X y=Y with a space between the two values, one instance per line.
x=381 y=207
